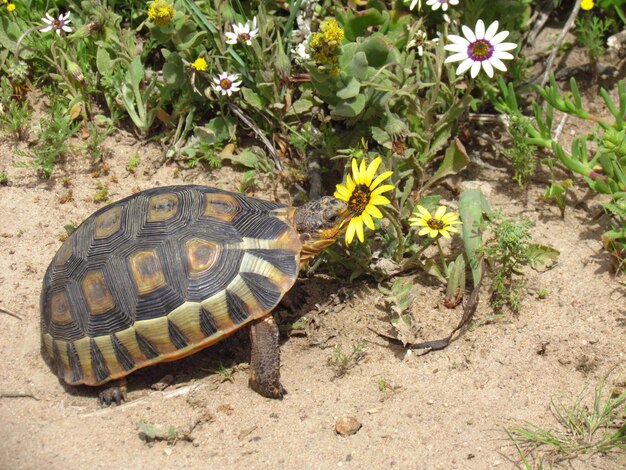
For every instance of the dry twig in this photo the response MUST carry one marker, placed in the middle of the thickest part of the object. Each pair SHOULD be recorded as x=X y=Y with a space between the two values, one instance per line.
x=10 y=313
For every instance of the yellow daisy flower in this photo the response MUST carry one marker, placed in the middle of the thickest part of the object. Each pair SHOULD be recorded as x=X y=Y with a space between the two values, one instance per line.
x=11 y=7
x=439 y=223
x=363 y=193
x=200 y=64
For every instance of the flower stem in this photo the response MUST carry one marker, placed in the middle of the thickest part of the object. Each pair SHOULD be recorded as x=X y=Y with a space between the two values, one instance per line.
x=444 y=265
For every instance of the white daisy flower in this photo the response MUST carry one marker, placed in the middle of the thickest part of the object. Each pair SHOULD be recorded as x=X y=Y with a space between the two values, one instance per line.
x=57 y=24
x=301 y=52
x=227 y=83
x=243 y=32
x=413 y=3
x=443 y=4
x=480 y=48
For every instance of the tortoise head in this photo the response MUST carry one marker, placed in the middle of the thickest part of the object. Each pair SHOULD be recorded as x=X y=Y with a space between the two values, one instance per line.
x=320 y=223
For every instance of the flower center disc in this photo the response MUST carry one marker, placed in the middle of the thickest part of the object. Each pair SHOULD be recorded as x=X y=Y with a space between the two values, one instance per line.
x=435 y=224
x=245 y=36
x=359 y=199
x=480 y=50
x=225 y=83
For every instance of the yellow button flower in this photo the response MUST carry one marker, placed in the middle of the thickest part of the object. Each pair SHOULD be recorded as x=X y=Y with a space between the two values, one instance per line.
x=587 y=4
x=11 y=7
x=160 y=12
x=200 y=64
x=439 y=223
x=363 y=193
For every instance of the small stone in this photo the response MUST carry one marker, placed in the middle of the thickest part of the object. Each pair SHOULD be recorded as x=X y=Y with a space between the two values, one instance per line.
x=347 y=426
x=163 y=383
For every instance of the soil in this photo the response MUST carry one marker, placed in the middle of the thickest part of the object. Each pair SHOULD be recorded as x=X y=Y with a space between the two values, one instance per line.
x=446 y=409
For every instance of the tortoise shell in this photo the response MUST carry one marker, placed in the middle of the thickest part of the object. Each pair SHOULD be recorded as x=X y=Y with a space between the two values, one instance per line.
x=161 y=274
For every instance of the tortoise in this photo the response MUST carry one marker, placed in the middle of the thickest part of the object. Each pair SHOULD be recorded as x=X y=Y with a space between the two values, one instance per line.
x=168 y=271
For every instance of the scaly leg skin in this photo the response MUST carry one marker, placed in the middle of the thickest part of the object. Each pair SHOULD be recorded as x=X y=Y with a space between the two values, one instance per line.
x=115 y=393
x=265 y=358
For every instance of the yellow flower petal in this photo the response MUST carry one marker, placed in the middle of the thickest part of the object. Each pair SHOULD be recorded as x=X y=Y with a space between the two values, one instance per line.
x=423 y=212
x=371 y=170
x=452 y=229
x=367 y=219
x=350 y=232
x=444 y=233
x=417 y=222
x=359 y=229
x=350 y=184
x=373 y=211
x=380 y=178
x=440 y=211
x=379 y=200
x=362 y=171
x=383 y=189
x=355 y=171
x=342 y=193
x=424 y=231
x=432 y=233
x=450 y=218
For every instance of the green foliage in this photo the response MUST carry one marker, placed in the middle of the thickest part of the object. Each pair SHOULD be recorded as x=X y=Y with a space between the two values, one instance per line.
x=582 y=428
x=591 y=31
x=604 y=170
x=341 y=362
x=507 y=252
x=51 y=146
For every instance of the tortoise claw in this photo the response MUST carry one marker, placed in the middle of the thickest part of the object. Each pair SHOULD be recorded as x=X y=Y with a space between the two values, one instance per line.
x=113 y=394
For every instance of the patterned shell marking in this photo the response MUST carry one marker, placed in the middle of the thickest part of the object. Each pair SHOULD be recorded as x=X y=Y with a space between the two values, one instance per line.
x=160 y=275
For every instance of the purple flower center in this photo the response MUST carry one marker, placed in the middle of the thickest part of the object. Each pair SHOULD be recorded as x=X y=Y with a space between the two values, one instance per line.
x=480 y=50
x=225 y=83
x=245 y=37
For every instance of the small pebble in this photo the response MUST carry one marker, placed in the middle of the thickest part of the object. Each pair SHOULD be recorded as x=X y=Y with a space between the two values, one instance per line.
x=347 y=425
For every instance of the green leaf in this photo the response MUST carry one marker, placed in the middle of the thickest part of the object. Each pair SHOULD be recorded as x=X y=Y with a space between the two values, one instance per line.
x=358 y=66
x=173 y=70
x=103 y=62
x=135 y=72
x=252 y=98
x=351 y=89
x=355 y=25
x=350 y=108
x=376 y=50
x=247 y=157
x=542 y=257
x=472 y=207
x=455 y=160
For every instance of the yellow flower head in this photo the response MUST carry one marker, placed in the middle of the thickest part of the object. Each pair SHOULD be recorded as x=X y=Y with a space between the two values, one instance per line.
x=324 y=45
x=587 y=4
x=200 y=64
x=440 y=223
x=11 y=7
x=160 y=12
x=363 y=193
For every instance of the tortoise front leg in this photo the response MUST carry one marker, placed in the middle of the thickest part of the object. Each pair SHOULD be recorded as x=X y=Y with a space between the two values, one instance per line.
x=115 y=393
x=265 y=358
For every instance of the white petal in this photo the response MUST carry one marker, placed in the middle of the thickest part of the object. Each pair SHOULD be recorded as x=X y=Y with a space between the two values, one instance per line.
x=475 y=69
x=480 y=29
x=488 y=68
x=498 y=38
x=505 y=46
x=454 y=2
x=502 y=55
x=67 y=29
x=444 y=7
x=469 y=34
x=497 y=63
x=491 y=31
x=46 y=29
x=456 y=47
x=50 y=17
x=436 y=6
x=464 y=66
x=456 y=57
x=458 y=40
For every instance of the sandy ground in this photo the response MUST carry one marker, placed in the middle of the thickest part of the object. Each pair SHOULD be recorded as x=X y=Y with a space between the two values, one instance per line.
x=443 y=410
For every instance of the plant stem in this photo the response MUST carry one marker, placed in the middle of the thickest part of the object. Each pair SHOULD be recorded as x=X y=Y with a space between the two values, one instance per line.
x=399 y=234
x=444 y=265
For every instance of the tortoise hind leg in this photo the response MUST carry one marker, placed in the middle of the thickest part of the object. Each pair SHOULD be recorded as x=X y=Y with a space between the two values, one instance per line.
x=115 y=393
x=265 y=358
